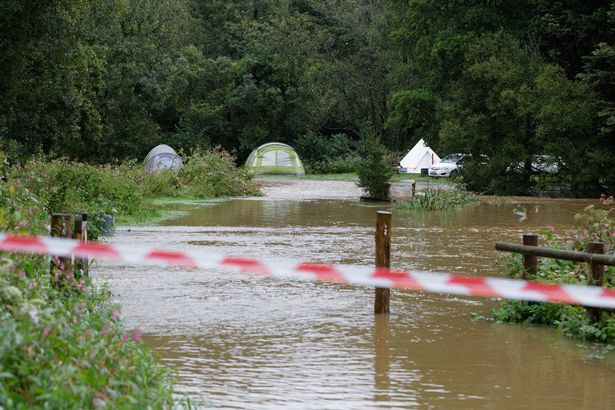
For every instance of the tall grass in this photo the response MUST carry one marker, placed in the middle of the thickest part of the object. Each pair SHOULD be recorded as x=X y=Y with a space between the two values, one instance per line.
x=438 y=200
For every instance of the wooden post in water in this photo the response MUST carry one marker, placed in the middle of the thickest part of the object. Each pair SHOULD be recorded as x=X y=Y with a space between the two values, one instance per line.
x=61 y=226
x=383 y=259
x=596 y=276
x=530 y=262
x=80 y=233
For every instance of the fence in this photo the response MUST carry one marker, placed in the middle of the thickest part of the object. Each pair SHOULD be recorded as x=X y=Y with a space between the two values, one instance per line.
x=594 y=257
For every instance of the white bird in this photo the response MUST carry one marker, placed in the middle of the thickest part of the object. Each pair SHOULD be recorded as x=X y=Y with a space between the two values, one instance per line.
x=521 y=214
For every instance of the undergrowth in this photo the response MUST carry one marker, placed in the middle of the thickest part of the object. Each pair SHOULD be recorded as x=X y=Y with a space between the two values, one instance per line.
x=126 y=189
x=438 y=200
x=62 y=343
x=592 y=225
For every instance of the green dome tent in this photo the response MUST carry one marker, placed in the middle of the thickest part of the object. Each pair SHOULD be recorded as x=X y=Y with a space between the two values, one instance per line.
x=275 y=158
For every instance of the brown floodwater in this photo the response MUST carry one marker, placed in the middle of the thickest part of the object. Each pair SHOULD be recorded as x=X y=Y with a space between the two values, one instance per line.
x=240 y=341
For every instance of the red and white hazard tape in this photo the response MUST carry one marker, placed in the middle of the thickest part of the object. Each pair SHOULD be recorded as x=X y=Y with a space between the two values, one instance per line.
x=360 y=275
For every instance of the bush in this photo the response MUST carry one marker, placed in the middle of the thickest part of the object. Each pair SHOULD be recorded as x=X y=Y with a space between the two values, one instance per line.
x=375 y=169
x=592 y=225
x=438 y=200
x=127 y=189
x=213 y=174
x=342 y=165
x=322 y=154
x=64 y=347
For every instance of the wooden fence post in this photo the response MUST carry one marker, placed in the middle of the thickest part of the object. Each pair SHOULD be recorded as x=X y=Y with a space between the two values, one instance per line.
x=596 y=276
x=61 y=226
x=413 y=182
x=383 y=259
x=530 y=262
x=80 y=233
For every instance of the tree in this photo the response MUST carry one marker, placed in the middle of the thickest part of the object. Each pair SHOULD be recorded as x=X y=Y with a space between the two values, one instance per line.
x=375 y=169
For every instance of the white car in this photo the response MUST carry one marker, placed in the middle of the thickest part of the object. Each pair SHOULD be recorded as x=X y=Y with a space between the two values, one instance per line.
x=446 y=166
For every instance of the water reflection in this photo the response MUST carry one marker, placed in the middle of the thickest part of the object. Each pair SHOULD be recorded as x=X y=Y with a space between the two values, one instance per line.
x=250 y=342
x=382 y=365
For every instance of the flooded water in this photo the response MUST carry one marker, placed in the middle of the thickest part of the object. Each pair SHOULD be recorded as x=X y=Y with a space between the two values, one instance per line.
x=240 y=341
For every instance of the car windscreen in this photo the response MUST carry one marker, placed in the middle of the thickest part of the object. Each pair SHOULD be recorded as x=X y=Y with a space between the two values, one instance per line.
x=452 y=158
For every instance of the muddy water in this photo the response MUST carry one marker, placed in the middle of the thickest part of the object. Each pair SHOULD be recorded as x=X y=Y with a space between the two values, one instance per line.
x=248 y=342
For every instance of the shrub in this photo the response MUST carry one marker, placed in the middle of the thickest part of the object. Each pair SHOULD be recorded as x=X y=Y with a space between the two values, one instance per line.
x=213 y=174
x=592 y=225
x=438 y=200
x=375 y=169
x=64 y=347
x=341 y=165
x=331 y=154
x=127 y=189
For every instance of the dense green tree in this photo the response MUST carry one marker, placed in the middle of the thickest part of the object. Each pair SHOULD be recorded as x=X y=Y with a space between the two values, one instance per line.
x=504 y=79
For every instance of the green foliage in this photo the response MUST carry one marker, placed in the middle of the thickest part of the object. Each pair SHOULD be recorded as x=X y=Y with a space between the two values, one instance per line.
x=322 y=154
x=438 y=200
x=126 y=189
x=502 y=81
x=100 y=81
x=592 y=225
x=213 y=174
x=375 y=169
x=65 y=347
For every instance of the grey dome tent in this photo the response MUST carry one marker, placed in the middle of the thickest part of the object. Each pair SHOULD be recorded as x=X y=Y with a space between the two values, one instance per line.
x=162 y=157
x=275 y=158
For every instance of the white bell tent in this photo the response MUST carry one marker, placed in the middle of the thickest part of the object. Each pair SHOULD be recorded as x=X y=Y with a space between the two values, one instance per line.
x=419 y=157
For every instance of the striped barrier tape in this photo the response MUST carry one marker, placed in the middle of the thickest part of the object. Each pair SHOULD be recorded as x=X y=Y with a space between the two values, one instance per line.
x=347 y=274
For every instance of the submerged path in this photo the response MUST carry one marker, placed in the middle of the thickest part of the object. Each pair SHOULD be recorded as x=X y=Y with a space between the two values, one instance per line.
x=241 y=341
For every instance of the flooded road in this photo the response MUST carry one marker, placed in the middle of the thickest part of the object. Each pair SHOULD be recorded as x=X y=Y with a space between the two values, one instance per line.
x=240 y=341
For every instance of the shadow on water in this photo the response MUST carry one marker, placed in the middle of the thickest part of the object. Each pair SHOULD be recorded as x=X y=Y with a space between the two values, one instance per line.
x=249 y=342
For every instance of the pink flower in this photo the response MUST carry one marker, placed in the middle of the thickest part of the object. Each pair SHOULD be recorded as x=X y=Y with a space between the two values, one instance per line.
x=95 y=402
x=124 y=338
x=115 y=314
x=136 y=335
x=46 y=330
x=106 y=330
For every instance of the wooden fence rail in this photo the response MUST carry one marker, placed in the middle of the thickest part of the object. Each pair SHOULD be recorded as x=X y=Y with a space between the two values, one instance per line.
x=594 y=256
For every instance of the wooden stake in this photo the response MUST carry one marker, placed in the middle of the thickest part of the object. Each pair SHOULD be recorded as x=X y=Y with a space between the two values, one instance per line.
x=80 y=233
x=596 y=276
x=62 y=226
x=530 y=262
x=383 y=259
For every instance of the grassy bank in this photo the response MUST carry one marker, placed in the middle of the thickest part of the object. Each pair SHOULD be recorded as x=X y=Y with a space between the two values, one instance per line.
x=592 y=225
x=63 y=343
x=352 y=176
